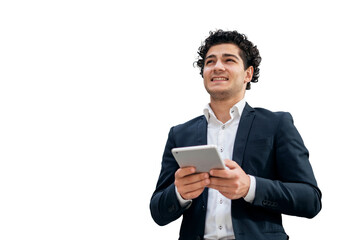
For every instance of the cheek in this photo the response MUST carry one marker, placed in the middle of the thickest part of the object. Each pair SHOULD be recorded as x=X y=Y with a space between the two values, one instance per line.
x=206 y=72
x=205 y=75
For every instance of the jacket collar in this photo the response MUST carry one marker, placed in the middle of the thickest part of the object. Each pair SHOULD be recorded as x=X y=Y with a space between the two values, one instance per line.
x=242 y=134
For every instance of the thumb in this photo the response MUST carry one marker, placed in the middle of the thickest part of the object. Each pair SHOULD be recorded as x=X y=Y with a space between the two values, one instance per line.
x=230 y=164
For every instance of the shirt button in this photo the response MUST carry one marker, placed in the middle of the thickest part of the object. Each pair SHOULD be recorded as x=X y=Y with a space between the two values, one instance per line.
x=220 y=227
x=221 y=201
x=223 y=127
x=221 y=149
x=232 y=111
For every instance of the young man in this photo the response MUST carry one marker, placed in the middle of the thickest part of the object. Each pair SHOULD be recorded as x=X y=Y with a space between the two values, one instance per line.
x=268 y=171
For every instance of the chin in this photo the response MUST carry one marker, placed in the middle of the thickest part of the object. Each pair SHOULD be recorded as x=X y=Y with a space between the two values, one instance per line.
x=219 y=95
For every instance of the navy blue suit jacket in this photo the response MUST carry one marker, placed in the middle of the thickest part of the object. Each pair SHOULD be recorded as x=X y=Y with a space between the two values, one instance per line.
x=267 y=146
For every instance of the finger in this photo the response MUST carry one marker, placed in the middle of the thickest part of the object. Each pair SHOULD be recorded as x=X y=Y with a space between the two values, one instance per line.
x=195 y=186
x=229 y=187
x=219 y=173
x=222 y=184
x=182 y=172
x=192 y=195
x=194 y=178
x=192 y=191
x=224 y=189
x=229 y=195
x=227 y=173
x=216 y=181
x=230 y=164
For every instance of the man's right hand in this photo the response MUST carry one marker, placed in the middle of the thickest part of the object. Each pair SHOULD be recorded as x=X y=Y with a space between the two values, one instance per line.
x=190 y=184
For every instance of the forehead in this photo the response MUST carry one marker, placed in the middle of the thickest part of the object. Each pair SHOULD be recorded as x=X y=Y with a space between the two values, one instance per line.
x=223 y=48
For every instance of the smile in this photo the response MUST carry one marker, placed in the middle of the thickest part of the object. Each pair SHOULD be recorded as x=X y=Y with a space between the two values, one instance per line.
x=219 y=79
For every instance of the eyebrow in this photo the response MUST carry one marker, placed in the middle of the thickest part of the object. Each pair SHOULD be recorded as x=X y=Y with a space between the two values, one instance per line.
x=224 y=55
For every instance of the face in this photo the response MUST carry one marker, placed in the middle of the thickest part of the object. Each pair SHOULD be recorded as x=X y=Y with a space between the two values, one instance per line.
x=224 y=75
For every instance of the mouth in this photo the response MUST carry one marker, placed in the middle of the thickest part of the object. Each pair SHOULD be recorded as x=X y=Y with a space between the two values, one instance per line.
x=219 y=79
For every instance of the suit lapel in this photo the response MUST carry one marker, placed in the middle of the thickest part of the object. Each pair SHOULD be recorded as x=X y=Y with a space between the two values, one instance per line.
x=202 y=140
x=202 y=131
x=242 y=134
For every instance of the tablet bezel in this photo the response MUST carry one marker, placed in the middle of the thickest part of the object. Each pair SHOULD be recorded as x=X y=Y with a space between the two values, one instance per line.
x=202 y=157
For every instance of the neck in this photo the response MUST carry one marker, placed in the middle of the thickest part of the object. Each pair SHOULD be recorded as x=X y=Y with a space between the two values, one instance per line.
x=221 y=108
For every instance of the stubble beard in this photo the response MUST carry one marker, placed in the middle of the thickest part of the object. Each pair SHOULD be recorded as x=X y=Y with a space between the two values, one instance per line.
x=219 y=95
x=227 y=94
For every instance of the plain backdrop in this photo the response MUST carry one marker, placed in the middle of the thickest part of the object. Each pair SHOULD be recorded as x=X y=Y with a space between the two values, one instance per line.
x=90 y=89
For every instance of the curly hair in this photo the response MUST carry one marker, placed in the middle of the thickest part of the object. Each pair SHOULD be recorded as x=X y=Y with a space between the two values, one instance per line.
x=249 y=53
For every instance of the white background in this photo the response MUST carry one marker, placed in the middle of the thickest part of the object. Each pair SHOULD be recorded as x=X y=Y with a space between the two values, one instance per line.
x=90 y=89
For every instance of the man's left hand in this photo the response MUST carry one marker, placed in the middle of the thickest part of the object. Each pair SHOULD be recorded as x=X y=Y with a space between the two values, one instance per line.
x=233 y=183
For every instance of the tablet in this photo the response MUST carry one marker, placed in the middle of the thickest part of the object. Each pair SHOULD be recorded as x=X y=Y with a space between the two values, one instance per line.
x=203 y=157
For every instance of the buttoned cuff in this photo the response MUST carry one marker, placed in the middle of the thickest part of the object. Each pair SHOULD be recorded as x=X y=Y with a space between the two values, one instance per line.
x=183 y=202
x=250 y=196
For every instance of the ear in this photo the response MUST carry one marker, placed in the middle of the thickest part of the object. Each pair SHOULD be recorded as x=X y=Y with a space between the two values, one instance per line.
x=249 y=74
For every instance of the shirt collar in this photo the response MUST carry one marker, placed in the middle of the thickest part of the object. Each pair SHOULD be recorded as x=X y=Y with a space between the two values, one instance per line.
x=237 y=108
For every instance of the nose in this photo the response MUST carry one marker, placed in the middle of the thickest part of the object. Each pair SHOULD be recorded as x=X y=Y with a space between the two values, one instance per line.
x=219 y=66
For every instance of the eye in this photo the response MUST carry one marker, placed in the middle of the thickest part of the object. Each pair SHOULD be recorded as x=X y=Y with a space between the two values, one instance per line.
x=230 y=60
x=208 y=62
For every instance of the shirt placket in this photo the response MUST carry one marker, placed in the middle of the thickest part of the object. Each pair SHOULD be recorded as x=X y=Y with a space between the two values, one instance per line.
x=220 y=207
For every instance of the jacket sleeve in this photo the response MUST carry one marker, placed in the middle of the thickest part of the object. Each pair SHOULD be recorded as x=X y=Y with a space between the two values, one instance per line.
x=164 y=205
x=295 y=191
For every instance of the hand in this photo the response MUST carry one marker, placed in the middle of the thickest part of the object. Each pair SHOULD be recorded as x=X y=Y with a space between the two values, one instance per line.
x=233 y=183
x=190 y=184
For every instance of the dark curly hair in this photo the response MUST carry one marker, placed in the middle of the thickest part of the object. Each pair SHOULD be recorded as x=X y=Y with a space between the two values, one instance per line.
x=249 y=53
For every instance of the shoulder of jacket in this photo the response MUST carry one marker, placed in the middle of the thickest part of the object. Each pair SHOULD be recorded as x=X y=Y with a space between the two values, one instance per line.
x=189 y=123
x=267 y=113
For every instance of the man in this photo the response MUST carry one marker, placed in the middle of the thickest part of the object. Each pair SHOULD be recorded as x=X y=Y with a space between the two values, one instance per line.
x=268 y=171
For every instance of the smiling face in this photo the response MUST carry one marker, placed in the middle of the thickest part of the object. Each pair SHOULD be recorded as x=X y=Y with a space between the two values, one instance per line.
x=224 y=75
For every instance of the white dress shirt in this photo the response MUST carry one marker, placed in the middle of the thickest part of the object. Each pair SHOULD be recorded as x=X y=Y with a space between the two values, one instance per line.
x=218 y=223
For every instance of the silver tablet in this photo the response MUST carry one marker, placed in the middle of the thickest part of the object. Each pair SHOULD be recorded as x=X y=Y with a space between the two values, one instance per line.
x=203 y=157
